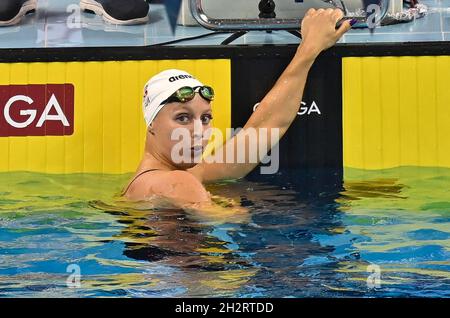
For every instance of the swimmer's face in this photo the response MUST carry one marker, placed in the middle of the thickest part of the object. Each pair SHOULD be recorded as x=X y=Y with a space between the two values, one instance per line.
x=193 y=120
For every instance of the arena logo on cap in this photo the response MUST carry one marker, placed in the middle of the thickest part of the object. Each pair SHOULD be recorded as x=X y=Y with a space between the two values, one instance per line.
x=36 y=110
x=179 y=77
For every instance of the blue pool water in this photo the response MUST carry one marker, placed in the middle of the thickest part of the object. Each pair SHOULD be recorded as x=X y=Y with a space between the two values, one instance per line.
x=378 y=234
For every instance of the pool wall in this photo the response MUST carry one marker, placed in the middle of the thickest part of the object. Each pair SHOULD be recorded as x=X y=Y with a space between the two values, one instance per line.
x=102 y=102
x=368 y=106
x=396 y=111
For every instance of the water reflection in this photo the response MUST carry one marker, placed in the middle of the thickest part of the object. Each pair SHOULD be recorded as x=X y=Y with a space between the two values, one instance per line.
x=268 y=252
x=295 y=206
x=395 y=229
x=307 y=233
x=205 y=257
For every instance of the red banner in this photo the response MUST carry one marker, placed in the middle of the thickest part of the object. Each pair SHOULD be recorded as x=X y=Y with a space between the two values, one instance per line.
x=36 y=110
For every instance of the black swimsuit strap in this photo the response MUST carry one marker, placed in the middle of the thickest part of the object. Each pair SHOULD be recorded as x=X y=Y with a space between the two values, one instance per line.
x=134 y=179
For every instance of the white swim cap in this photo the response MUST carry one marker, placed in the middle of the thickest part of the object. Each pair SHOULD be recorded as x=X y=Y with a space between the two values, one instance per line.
x=162 y=86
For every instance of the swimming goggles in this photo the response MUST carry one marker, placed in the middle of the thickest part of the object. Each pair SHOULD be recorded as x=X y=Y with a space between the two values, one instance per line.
x=187 y=93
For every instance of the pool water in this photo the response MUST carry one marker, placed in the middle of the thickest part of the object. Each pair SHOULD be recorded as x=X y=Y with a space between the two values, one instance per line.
x=378 y=234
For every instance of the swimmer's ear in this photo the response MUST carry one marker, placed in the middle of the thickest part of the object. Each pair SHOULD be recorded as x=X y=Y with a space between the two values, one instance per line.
x=150 y=129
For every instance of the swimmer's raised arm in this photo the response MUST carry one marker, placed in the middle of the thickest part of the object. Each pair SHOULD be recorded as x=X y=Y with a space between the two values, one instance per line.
x=279 y=107
x=175 y=102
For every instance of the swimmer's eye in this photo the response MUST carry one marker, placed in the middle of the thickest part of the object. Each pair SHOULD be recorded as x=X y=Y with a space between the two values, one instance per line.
x=206 y=119
x=183 y=118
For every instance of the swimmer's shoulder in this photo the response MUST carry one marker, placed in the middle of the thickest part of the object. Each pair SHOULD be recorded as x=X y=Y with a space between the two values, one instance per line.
x=180 y=185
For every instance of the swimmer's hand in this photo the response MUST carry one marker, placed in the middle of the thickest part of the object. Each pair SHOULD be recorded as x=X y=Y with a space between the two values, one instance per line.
x=319 y=30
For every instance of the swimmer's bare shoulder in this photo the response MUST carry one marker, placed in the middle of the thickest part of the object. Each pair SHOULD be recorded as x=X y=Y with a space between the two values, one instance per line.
x=178 y=186
x=184 y=190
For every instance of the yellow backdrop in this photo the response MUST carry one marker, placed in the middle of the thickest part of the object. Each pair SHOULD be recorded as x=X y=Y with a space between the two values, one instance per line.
x=109 y=128
x=396 y=111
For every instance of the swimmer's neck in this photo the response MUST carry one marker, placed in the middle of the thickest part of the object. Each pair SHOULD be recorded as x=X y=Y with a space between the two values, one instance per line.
x=153 y=161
